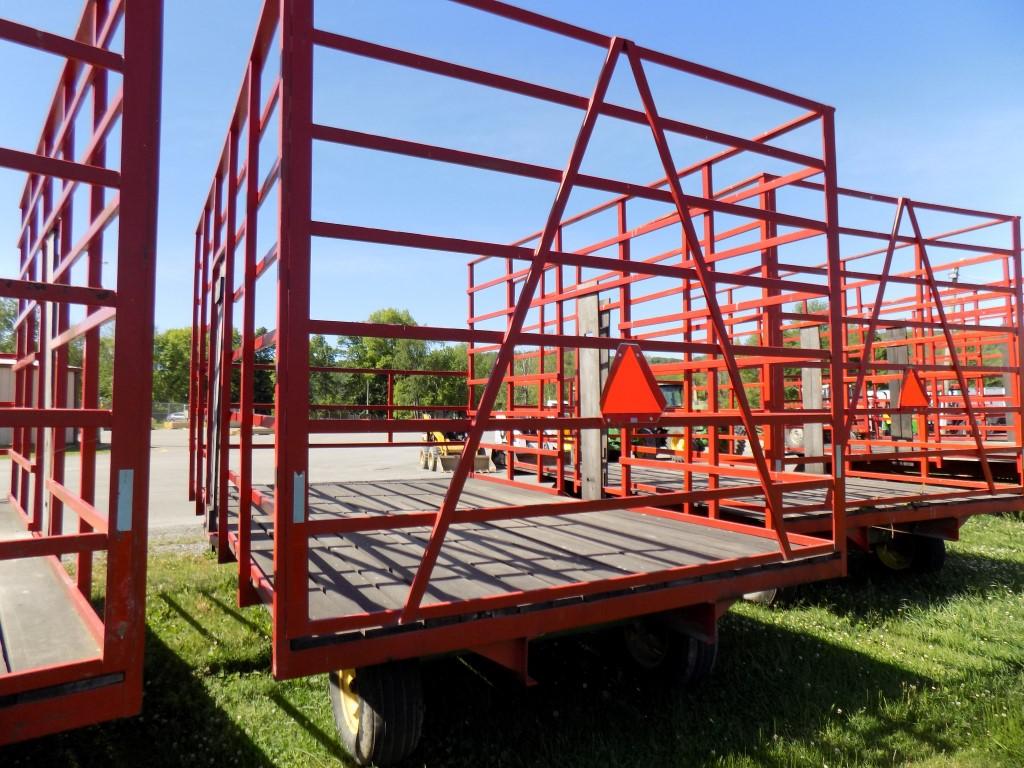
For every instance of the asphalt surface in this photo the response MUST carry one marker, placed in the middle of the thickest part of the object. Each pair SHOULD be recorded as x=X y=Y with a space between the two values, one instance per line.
x=170 y=510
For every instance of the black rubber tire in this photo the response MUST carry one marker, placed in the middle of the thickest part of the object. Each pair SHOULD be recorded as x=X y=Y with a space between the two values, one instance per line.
x=912 y=553
x=390 y=714
x=655 y=647
x=929 y=554
x=648 y=645
x=694 y=660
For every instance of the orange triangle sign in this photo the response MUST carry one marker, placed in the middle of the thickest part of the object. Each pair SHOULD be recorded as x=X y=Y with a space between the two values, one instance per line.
x=912 y=392
x=631 y=392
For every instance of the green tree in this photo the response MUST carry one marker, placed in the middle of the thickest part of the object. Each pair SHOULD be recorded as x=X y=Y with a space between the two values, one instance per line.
x=106 y=384
x=263 y=378
x=436 y=390
x=324 y=387
x=172 y=350
x=8 y=314
x=382 y=353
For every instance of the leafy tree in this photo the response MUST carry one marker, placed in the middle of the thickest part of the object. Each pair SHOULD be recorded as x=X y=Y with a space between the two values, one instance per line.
x=172 y=350
x=106 y=383
x=8 y=314
x=390 y=353
x=76 y=354
x=324 y=387
x=366 y=352
x=436 y=390
x=263 y=379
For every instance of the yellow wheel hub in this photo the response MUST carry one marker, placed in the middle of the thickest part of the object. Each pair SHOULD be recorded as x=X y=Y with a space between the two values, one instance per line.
x=892 y=558
x=351 y=704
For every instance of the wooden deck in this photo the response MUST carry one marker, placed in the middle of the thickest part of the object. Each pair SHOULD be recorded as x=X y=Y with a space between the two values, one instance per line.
x=366 y=572
x=39 y=625
x=863 y=495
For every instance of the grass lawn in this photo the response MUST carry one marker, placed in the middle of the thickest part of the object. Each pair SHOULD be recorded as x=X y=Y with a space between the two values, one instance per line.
x=877 y=670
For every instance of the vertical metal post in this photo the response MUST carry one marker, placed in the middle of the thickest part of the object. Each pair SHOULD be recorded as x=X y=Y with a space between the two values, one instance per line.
x=291 y=402
x=194 y=371
x=711 y=374
x=61 y=314
x=560 y=393
x=91 y=342
x=837 y=311
x=227 y=341
x=1018 y=322
x=246 y=594
x=625 y=318
x=124 y=622
x=389 y=412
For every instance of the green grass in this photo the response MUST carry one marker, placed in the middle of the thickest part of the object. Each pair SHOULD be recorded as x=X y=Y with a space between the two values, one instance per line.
x=877 y=670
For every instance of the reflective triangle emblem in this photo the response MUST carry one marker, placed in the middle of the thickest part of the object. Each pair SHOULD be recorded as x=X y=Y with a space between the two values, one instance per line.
x=631 y=393
x=912 y=392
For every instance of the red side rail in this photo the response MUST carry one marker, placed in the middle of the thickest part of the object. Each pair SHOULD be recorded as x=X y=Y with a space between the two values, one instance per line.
x=87 y=264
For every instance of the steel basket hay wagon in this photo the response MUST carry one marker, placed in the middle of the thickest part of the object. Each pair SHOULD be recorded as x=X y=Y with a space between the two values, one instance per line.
x=72 y=642
x=931 y=317
x=932 y=320
x=364 y=577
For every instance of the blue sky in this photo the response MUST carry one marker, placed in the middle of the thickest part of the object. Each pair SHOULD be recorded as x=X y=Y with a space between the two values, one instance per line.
x=927 y=97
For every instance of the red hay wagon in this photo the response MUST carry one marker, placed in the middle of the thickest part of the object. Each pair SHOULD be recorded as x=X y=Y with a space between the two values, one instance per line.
x=930 y=297
x=72 y=639
x=364 y=577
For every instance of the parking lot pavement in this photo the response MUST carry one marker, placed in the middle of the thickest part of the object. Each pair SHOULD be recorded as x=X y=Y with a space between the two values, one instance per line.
x=170 y=511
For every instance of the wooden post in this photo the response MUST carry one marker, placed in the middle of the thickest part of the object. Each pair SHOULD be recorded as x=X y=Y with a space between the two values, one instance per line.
x=593 y=370
x=814 y=434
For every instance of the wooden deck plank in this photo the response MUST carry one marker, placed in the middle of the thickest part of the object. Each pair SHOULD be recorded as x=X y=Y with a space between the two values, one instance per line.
x=39 y=624
x=866 y=490
x=371 y=571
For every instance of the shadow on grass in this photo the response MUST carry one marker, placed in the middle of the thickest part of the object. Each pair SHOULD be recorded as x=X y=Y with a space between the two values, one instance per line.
x=871 y=590
x=185 y=616
x=180 y=725
x=593 y=708
x=258 y=662
x=328 y=741
x=235 y=614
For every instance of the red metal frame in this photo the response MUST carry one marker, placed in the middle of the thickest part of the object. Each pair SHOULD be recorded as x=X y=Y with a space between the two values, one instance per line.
x=958 y=334
x=961 y=332
x=227 y=231
x=61 y=266
x=748 y=307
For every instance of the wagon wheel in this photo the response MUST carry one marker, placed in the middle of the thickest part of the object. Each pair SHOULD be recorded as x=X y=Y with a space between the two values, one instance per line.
x=896 y=554
x=908 y=552
x=697 y=659
x=378 y=711
x=653 y=645
x=647 y=645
